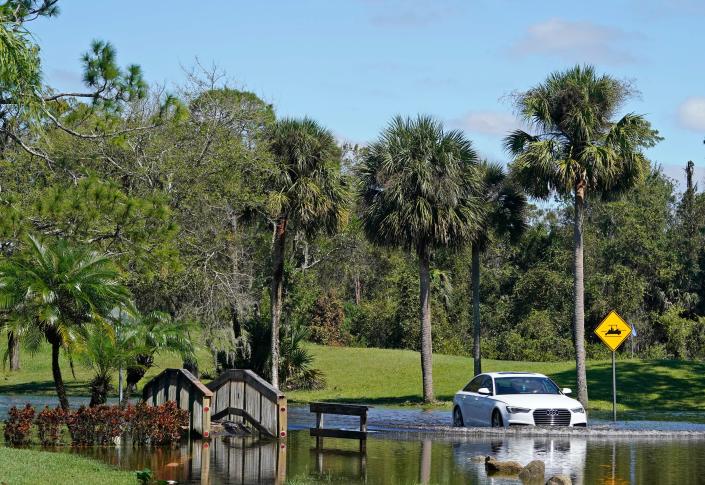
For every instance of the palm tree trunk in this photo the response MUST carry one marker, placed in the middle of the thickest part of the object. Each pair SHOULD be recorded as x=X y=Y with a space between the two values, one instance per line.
x=579 y=294
x=426 y=343
x=56 y=373
x=13 y=349
x=475 y=281
x=277 y=292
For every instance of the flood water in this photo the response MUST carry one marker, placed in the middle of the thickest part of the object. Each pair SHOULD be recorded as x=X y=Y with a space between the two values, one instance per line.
x=405 y=459
x=401 y=450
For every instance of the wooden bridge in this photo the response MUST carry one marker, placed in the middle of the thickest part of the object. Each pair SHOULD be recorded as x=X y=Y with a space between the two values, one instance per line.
x=238 y=395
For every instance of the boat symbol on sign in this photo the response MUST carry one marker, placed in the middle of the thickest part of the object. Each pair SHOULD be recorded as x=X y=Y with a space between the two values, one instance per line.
x=613 y=331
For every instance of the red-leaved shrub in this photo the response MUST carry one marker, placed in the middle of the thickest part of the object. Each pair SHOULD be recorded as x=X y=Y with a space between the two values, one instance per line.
x=49 y=422
x=19 y=425
x=100 y=425
x=156 y=425
x=96 y=425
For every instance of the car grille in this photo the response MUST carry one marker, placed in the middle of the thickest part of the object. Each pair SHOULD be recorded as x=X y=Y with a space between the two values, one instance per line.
x=552 y=417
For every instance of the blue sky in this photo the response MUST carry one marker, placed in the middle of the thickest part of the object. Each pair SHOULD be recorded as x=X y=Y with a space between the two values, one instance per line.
x=353 y=64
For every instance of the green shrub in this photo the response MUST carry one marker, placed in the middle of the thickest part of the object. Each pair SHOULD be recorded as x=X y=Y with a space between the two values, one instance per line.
x=326 y=325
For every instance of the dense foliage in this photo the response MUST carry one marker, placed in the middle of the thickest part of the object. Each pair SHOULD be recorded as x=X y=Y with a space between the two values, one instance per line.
x=213 y=223
x=18 y=425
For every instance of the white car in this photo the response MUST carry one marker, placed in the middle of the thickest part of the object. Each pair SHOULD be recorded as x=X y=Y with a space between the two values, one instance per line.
x=503 y=399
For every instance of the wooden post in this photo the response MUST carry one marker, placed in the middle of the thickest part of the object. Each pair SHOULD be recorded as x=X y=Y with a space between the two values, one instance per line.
x=363 y=428
x=281 y=464
x=206 y=417
x=319 y=425
x=205 y=462
x=282 y=417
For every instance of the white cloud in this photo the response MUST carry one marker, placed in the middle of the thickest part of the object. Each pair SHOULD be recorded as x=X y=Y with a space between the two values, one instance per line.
x=487 y=122
x=691 y=114
x=575 y=42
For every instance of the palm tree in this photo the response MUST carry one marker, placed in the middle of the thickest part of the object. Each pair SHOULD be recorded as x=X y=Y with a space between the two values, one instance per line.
x=56 y=290
x=305 y=193
x=14 y=330
x=104 y=353
x=578 y=150
x=152 y=333
x=418 y=192
x=504 y=214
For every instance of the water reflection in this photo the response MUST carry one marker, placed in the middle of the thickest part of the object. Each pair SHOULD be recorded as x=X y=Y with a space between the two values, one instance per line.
x=562 y=456
x=409 y=459
x=230 y=460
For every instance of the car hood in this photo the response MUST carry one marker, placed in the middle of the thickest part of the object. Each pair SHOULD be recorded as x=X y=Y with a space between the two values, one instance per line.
x=535 y=401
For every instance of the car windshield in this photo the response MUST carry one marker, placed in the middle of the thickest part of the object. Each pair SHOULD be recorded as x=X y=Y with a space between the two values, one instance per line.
x=525 y=385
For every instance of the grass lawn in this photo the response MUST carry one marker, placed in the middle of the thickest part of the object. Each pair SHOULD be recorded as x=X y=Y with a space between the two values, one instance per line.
x=384 y=376
x=23 y=466
x=393 y=377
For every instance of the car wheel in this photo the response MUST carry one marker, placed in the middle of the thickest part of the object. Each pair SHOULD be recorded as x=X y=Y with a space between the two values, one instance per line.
x=497 y=420
x=457 y=418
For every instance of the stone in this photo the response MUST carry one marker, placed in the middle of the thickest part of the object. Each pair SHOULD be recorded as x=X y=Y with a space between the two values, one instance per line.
x=533 y=472
x=494 y=466
x=559 y=480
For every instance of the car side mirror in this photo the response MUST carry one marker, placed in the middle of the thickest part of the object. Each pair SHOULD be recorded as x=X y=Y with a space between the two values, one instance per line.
x=567 y=390
x=484 y=391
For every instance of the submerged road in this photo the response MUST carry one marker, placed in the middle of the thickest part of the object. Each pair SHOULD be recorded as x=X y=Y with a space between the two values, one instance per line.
x=437 y=423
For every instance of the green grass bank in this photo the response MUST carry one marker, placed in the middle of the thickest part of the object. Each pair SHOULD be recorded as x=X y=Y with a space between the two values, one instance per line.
x=393 y=377
x=29 y=467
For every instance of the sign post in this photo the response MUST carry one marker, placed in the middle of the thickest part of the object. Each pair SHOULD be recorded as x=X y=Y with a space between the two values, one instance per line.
x=613 y=331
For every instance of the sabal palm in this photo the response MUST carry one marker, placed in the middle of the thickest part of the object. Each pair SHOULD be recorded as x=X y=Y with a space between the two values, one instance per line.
x=56 y=289
x=419 y=186
x=504 y=214
x=577 y=150
x=305 y=193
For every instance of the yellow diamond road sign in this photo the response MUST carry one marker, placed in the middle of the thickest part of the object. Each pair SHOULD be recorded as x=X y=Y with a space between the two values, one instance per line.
x=613 y=331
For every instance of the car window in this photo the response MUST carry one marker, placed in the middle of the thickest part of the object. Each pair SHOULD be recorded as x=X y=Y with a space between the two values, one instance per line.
x=487 y=382
x=525 y=385
x=474 y=384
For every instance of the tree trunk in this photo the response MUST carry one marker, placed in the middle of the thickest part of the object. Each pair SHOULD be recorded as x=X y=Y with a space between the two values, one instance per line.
x=277 y=293
x=191 y=365
x=358 y=289
x=100 y=388
x=56 y=373
x=475 y=281
x=426 y=343
x=13 y=349
x=579 y=294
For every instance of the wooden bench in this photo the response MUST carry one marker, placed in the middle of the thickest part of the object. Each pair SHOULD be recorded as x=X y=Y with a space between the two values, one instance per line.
x=321 y=408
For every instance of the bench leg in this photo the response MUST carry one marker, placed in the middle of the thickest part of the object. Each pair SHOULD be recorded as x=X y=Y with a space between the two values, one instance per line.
x=319 y=425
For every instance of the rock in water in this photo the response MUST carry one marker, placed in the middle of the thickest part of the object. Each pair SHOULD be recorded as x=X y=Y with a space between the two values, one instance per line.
x=502 y=467
x=559 y=480
x=533 y=472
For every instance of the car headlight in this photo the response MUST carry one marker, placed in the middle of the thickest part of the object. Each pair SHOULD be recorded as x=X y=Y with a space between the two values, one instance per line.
x=579 y=410
x=515 y=410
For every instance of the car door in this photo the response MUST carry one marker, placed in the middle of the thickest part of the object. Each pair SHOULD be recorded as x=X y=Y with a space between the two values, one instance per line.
x=469 y=397
x=484 y=405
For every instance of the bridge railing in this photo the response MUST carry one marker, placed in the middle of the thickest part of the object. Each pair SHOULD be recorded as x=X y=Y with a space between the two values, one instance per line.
x=243 y=396
x=189 y=393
